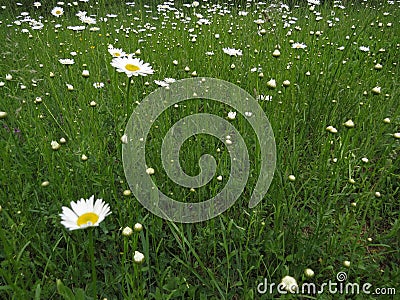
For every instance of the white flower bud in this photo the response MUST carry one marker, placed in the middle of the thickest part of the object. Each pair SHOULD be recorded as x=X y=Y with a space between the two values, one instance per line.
x=55 y=145
x=127 y=231
x=138 y=227
x=309 y=273
x=138 y=257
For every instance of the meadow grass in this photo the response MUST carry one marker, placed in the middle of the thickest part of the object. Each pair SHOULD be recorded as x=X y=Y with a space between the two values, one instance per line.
x=341 y=205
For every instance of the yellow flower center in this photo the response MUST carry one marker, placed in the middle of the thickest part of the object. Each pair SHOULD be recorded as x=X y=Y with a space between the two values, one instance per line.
x=87 y=219
x=58 y=12
x=131 y=68
x=117 y=54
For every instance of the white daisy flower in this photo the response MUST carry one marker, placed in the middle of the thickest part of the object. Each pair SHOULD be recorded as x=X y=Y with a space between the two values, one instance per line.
x=87 y=20
x=231 y=115
x=299 y=45
x=66 y=61
x=84 y=213
x=314 y=2
x=132 y=66
x=57 y=11
x=364 y=48
x=98 y=85
x=169 y=80
x=264 y=97
x=116 y=52
x=161 y=83
x=232 y=51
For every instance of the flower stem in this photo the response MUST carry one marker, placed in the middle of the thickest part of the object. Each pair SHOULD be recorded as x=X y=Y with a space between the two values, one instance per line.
x=128 y=89
x=91 y=253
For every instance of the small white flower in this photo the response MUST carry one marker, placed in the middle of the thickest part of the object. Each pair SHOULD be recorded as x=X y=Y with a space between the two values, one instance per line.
x=378 y=67
x=98 y=85
x=264 y=98
x=9 y=77
x=231 y=115
x=396 y=135
x=386 y=120
x=138 y=257
x=131 y=66
x=92 y=103
x=70 y=87
x=364 y=48
x=84 y=157
x=286 y=83
x=352 y=181
x=346 y=263
x=63 y=140
x=292 y=178
x=219 y=178
x=161 y=83
x=378 y=194
x=299 y=46
x=3 y=114
x=57 y=11
x=66 y=61
x=232 y=51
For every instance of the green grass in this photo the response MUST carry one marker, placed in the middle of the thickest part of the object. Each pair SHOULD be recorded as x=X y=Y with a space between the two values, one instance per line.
x=317 y=221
